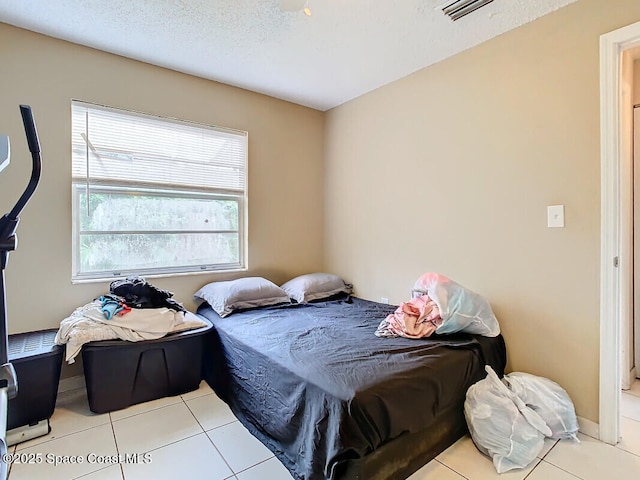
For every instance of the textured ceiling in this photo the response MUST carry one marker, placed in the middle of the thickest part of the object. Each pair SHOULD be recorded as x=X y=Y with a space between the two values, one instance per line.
x=344 y=49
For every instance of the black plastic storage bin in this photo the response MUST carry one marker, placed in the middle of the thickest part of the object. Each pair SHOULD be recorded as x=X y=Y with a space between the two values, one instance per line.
x=37 y=362
x=119 y=374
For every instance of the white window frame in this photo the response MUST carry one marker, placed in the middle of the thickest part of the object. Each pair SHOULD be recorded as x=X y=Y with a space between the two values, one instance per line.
x=82 y=184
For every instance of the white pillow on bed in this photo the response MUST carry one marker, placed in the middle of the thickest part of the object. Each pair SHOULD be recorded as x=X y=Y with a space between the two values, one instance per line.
x=315 y=286
x=248 y=292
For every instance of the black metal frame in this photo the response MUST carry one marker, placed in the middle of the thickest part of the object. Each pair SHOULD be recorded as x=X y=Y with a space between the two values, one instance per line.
x=8 y=243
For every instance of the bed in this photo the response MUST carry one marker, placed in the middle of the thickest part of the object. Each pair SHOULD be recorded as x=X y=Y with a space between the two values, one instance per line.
x=333 y=401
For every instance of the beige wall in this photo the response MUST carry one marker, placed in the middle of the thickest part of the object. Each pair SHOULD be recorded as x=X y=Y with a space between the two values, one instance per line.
x=285 y=167
x=451 y=170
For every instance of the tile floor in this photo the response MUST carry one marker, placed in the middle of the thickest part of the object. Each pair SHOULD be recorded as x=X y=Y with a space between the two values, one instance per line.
x=195 y=436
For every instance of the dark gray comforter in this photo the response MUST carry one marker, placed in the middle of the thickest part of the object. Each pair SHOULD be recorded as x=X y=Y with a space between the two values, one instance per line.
x=316 y=386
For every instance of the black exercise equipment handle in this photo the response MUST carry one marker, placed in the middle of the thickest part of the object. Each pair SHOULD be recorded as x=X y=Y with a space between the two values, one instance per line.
x=30 y=129
x=34 y=148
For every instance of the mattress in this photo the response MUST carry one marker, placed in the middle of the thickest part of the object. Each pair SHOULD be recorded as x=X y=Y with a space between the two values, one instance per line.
x=318 y=388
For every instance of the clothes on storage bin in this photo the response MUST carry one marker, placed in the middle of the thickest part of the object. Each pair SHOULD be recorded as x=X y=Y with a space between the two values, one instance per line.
x=417 y=318
x=88 y=324
x=138 y=293
x=112 y=305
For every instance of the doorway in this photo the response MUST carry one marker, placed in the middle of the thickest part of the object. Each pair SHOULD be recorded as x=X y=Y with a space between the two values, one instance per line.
x=633 y=341
x=616 y=251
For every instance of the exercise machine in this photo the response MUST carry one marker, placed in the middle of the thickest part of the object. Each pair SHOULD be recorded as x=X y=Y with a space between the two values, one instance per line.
x=8 y=243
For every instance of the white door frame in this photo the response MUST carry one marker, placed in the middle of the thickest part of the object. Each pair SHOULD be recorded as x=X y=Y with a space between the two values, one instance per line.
x=613 y=226
x=635 y=312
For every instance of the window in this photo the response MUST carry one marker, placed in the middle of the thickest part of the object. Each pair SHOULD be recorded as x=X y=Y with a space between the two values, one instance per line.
x=155 y=195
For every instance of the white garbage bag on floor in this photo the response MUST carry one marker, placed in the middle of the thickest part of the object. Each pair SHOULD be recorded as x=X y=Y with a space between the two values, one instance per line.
x=549 y=400
x=501 y=425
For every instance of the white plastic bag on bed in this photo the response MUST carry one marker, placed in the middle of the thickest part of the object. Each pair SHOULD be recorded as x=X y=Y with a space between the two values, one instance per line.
x=461 y=309
x=501 y=425
x=549 y=400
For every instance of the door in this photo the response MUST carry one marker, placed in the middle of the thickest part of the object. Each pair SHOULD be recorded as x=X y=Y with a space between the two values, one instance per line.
x=635 y=327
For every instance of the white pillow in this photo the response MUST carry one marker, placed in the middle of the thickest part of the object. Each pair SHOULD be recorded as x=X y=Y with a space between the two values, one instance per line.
x=248 y=292
x=315 y=286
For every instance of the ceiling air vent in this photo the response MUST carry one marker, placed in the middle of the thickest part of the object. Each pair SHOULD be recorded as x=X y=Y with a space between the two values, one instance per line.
x=460 y=8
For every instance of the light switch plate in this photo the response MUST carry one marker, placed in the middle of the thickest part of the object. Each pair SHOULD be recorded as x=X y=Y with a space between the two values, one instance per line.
x=555 y=216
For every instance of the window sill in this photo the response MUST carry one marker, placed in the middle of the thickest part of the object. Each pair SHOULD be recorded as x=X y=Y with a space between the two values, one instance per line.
x=81 y=281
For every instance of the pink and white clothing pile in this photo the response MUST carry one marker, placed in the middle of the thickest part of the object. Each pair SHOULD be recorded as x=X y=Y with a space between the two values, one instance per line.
x=417 y=318
x=442 y=306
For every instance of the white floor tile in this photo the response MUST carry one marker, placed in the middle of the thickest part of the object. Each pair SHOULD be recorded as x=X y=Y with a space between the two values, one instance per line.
x=172 y=429
x=594 y=460
x=464 y=458
x=210 y=411
x=271 y=469
x=114 y=472
x=239 y=448
x=71 y=415
x=546 y=471
x=549 y=443
x=203 y=389
x=630 y=436
x=437 y=471
x=71 y=383
x=193 y=458
x=11 y=449
x=144 y=407
x=97 y=441
x=154 y=429
x=630 y=406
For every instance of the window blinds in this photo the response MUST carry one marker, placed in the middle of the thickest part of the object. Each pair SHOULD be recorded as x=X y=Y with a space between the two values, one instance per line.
x=112 y=146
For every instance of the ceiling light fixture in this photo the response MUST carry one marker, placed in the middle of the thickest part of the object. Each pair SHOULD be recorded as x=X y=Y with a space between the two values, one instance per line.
x=460 y=8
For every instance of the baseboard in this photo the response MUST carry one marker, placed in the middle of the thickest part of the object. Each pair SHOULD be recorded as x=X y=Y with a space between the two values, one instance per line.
x=71 y=383
x=589 y=428
x=627 y=380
